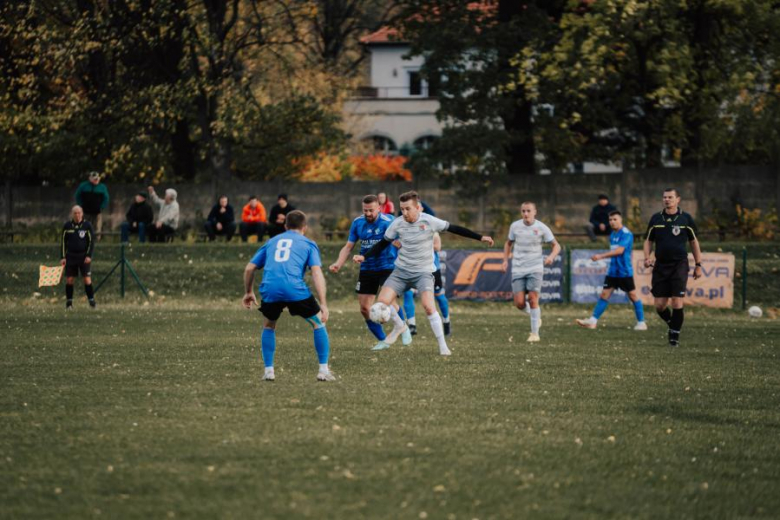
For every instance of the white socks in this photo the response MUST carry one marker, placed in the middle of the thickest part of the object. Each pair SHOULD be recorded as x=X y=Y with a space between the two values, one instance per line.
x=536 y=315
x=395 y=318
x=324 y=368
x=527 y=308
x=438 y=330
x=411 y=321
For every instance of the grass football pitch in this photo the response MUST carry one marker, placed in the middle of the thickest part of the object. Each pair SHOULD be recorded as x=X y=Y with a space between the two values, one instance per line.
x=158 y=411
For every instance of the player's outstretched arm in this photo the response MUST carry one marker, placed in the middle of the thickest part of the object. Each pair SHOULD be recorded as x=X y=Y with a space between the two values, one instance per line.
x=375 y=250
x=609 y=254
x=249 y=294
x=343 y=255
x=320 y=287
x=465 y=232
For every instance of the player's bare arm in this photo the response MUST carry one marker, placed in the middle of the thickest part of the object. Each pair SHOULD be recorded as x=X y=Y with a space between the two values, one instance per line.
x=609 y=254
x=649 y=255
x=508 y=245
x=342 y=258
x=318 y=278
x=696 y=248
x=249 y=293
x=556 y=249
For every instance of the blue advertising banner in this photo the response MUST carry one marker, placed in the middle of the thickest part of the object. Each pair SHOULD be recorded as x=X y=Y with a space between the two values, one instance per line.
x=477 y=275
x=587 y=277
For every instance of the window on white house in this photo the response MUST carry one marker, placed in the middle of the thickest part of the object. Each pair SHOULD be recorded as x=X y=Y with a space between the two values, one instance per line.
x=380 y=144
x=425 y=142
x=415 y=83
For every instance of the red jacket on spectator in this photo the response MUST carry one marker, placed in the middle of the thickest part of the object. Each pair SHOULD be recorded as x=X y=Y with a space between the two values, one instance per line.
x=388 y=207
x=252 y=216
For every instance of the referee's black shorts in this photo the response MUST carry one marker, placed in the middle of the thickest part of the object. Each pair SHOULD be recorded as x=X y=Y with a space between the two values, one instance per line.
x=303 y=308
x=75 y=265
x=670 y=279
x=369 y=282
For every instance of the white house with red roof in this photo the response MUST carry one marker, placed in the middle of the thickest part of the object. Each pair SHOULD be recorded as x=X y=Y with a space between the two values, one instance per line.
x=397 y=109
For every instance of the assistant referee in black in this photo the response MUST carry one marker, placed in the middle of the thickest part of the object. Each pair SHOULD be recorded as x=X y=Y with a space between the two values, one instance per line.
x=671 y=230
x=76 y=248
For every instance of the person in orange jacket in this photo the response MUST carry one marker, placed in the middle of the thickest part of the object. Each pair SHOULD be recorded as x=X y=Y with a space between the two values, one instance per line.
x=253 y=220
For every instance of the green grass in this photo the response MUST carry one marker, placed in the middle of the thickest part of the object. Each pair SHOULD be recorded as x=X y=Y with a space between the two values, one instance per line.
x=157 y=410
x=151 y=411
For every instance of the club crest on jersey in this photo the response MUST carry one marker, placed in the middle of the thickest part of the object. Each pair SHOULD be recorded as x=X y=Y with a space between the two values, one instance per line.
x=675 y=230
x=422 y=226
x=536 y=232
x=82 y=234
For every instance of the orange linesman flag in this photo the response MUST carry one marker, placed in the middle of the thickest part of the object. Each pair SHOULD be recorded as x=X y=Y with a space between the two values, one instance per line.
x=50 y=276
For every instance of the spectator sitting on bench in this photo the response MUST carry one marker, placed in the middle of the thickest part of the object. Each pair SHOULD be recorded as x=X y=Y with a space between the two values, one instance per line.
x=167 y=216
x=279 y=215
x=253 y=219
x=599 y=218
x=221 y=220
x=139 y=219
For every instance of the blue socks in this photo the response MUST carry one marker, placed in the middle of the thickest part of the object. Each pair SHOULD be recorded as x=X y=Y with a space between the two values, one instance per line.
x=409 y=304
x=444 y=306
x=639 y=311
x=322 y=344
x=376 y=330
x=601 y=306
x=269 y=347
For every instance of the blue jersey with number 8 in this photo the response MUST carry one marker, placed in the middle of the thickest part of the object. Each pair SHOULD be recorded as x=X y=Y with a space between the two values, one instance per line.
x=284 y=260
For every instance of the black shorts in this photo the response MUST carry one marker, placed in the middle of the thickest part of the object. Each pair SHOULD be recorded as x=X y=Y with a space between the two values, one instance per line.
x=303 y=308
x=624 y=284
x=670 y=279
x=369 y=282
x=74 y=266
x=437 y=284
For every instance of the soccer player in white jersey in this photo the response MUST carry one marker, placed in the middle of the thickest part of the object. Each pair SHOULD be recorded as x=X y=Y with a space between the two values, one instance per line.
x=524 y=248
x=414 y=266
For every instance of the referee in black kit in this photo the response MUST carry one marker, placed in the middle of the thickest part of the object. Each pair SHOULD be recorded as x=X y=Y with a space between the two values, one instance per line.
x=76 y=249
x=671 y=229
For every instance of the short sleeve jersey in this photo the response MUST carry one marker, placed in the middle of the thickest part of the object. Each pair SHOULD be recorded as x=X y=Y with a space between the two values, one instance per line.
x=284 y=260
x=527 y=251
x=416 y=253
x=620 y=266
x=369 y=233
x=671 y=233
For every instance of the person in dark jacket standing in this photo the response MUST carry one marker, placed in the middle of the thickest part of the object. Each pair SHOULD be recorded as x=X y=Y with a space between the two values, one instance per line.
x=278 y=215
x=139 y=217
x=221 y=220
x=599 y=218
x=76 y=249
x=92 y=196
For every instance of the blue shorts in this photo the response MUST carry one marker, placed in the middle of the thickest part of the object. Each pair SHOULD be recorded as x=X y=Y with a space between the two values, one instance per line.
x=528 y=283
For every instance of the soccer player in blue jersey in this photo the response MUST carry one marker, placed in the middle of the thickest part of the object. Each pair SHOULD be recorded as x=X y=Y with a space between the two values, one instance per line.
x=620 y=274
x=369 y=228
x=284 y=260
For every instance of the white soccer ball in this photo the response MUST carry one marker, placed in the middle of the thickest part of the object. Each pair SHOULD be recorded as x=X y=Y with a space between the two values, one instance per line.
x=379 y=313
x=755 y=311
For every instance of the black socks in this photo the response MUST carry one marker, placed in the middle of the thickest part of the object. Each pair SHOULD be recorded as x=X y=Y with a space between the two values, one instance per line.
x=666 y=315
x=69 y=292
x=678 y=316
x=90 y=292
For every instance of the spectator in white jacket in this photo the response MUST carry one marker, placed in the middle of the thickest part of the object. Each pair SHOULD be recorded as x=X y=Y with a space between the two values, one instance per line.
x=167 y=221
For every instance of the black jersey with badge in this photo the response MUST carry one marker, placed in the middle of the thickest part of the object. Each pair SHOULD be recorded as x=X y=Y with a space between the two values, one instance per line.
x=77 y=240
x=671 y=233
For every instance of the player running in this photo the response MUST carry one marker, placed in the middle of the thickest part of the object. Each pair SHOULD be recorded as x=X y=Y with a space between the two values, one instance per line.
x=414 y=265
x=438 y=294
x=284 y=260
x=671 y=230
x=620 y=274
x=369 y=228
x=77 y=245
x=524 y=247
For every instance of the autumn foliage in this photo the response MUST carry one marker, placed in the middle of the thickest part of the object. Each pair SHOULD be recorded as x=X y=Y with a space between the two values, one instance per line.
x=335 y=168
